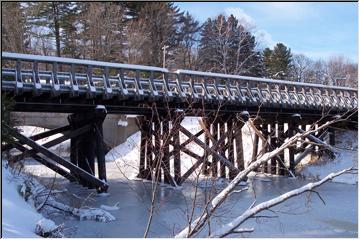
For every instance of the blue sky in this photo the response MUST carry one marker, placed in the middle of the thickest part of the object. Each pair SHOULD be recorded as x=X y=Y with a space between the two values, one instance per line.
x=318 y=30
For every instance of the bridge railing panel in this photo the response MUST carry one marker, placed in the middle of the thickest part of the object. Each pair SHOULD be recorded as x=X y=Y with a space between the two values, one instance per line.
x=43 y=74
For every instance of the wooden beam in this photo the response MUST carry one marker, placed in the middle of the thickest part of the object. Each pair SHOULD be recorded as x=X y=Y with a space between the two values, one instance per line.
x=100 y=185
x=189 y=140
x=47 y=163
x=211 y=150
x=42 y=135
x=165 y=161
x=56 y=141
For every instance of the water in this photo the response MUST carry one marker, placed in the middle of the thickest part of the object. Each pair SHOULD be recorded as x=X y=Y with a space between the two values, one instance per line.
x=302 y=216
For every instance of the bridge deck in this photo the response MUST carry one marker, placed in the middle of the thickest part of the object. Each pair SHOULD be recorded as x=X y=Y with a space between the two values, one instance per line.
x=53 y=84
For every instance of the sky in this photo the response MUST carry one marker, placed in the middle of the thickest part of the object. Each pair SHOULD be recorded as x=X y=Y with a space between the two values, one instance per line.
x=318 y=30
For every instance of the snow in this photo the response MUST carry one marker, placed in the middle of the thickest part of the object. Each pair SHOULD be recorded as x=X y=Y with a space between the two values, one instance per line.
x=346 y=156
x=18 y=217
x=110 y=208
x=30 y=57
x=122 y=123
x=46 y=225
x=265 y=80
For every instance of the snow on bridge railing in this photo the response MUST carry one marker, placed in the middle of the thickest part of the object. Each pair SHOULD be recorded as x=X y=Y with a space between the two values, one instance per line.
x=38 y=74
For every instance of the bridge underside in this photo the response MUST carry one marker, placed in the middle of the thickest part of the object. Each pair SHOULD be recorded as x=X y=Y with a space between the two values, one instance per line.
x=67 y=104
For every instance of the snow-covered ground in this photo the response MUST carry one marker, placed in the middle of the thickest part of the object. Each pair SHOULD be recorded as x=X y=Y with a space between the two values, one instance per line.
x=18 y=217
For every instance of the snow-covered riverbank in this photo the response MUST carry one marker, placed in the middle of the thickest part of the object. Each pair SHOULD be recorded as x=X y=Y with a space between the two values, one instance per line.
x=18 y=217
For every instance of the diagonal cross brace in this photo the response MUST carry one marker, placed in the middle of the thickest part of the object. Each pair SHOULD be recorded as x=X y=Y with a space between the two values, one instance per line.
x=100 y=185
x=211 y=150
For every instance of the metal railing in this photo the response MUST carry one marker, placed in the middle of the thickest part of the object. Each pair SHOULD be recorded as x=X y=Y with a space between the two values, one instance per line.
x=39 y=74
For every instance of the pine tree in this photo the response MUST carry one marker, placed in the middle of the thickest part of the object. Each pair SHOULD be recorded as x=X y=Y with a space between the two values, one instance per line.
x=189 y=29
x=227 y=47
x=53 y=16
x=267 y=53
x=281 y=61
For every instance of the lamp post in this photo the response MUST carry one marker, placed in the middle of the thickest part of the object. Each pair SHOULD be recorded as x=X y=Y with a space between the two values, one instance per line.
x=164 y=54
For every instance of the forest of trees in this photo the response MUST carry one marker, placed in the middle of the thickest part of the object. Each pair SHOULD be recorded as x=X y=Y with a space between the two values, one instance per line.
x=136 y=32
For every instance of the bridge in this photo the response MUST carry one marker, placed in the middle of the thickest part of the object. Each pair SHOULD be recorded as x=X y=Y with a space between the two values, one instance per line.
x=88 y=90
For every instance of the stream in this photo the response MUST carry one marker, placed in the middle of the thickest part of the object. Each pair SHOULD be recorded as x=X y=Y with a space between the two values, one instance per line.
x=302 y=216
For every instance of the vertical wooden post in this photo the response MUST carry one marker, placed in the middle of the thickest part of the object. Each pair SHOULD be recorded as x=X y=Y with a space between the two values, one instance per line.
x=231 y=152
x=293 y=124
x=176 y=139
x=265 y=144
x=239 y=145
x=214 y=127
x=149 y=148
x=255 y=147
x=142 y=124
x=207 y=142
x=272 y=147
x=99 y=141
x=279 y=142
x=157 y=153
x=165 y=148
x=222 y=148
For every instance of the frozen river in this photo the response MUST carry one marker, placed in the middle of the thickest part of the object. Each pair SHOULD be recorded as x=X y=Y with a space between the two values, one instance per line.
x=302 y=216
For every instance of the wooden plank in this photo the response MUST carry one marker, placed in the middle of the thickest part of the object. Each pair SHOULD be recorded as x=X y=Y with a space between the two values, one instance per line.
x=100 y=185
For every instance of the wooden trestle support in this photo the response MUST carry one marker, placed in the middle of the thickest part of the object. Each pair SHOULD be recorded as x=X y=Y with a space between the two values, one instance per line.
x=223 y=146
x=86 y=140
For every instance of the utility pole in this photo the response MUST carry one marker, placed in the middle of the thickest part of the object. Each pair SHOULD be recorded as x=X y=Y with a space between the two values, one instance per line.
x=164 y=54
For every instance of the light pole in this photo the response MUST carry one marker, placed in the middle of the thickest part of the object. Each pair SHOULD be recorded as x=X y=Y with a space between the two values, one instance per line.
x=164 y=54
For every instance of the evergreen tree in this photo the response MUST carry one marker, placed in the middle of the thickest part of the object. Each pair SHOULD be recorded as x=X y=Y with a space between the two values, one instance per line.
x=189 y=29
x=227 y=47
x=267 y=53
x=278 y=62
x=53 y=16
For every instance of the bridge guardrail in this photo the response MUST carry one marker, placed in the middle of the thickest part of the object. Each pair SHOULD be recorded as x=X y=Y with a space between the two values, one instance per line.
x=38 y=74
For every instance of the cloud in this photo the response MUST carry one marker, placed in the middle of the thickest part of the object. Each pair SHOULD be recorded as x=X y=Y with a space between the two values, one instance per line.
x=264 y=38
x=285 y=10
x=244 y=18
